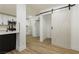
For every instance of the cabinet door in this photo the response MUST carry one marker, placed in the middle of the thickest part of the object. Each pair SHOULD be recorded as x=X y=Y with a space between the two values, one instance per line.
x=11 y=42
x=7 y=43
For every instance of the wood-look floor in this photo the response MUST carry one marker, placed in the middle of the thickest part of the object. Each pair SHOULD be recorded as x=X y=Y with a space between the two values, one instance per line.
x=34 y=46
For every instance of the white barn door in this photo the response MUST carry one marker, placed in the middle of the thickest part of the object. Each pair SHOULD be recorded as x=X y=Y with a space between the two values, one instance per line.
x=61 y=28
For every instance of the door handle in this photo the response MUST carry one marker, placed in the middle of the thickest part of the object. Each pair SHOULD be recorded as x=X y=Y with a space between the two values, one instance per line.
x=51 y=27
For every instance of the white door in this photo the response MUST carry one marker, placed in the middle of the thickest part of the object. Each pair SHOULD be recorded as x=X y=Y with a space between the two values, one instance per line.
x=75 y=27
x=61 y=28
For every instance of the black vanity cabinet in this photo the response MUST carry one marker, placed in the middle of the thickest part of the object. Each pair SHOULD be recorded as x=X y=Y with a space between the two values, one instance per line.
x=7 y=42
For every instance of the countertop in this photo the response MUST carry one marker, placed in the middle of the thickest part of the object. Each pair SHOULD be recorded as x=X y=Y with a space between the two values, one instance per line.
x=9 y=32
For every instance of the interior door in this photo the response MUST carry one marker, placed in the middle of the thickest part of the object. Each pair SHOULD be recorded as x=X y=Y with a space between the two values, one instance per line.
x=61 y=28
x=75 y=27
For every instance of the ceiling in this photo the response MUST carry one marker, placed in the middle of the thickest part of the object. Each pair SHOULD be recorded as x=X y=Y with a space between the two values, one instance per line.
x=34 y=9
x=8 y=8
x=31 y=9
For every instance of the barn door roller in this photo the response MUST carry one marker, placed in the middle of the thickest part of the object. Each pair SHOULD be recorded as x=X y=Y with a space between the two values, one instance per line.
x=69 y=6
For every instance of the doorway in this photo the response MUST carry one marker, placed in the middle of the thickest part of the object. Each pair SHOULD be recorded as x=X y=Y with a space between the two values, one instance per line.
x=46 y=28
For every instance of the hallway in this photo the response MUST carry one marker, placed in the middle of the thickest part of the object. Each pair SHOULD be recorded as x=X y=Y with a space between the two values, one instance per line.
x=34 y=46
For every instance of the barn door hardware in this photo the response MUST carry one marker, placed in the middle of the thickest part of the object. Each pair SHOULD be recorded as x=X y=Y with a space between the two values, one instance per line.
x=52 y=11
x=69 y=6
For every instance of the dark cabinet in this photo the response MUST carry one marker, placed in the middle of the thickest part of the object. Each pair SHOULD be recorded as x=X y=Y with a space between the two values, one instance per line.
x=12 y=25
x=7 y=42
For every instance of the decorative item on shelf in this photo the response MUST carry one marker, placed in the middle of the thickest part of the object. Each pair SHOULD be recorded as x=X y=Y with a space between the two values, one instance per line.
x=12 y=25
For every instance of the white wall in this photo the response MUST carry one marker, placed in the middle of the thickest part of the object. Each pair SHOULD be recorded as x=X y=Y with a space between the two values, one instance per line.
x=28 y=26
x=44 y=28
x=33 y=26
x=21 y=27
x=37 y=27
x=41 y=29
x=47 y=25
x=75 y=27
x=35 y=21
